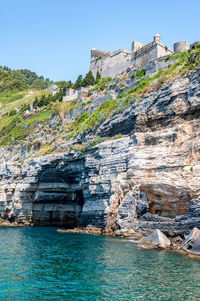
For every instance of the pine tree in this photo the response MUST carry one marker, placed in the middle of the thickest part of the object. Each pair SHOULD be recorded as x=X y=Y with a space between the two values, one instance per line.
x=88 y=79
x=98 y=77
x=79 y=82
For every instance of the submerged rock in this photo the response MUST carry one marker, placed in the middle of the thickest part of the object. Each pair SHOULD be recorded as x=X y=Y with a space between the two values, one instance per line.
x=155 y=240
x=95 y=231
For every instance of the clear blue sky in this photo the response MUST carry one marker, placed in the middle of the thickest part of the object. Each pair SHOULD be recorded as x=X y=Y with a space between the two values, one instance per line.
x=54 y=38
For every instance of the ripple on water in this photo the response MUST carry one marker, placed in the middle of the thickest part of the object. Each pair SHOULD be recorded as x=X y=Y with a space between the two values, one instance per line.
x=39 y=263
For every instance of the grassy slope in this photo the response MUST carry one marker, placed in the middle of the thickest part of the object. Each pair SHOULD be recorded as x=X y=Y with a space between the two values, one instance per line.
x=13 y=127
x=18 y=127
x=87 y=122
x=16 y=99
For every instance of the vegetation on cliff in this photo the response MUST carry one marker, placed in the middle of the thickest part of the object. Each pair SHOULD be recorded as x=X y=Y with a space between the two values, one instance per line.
x=29 y=115
x=187 y=61
x=87 y=80
x=21 y=79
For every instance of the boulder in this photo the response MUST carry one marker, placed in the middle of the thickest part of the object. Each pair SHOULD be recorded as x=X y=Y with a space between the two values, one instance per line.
x=176 y=242
x=155 y=240
x=191 y=239
x=196 y=247
x=127 y=208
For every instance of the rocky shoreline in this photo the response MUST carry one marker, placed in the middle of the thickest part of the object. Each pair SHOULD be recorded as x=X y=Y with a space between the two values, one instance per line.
x=156 y=240
x=145 y=180
x=189 y=246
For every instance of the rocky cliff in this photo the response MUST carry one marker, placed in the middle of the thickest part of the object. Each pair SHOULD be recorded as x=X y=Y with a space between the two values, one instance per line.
x=145 y=180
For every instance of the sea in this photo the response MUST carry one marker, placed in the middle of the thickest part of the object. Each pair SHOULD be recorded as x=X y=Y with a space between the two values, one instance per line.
x=39 y=263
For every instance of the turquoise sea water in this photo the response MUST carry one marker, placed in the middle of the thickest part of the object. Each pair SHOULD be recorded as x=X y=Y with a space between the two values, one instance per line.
x=41 y=264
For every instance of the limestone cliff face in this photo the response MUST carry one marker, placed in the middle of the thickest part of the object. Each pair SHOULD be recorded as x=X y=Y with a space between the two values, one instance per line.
x=148 y=179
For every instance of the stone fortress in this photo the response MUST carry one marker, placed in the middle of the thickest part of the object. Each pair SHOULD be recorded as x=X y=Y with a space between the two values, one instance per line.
x=140 y=56
x=109 y=63
x=113 y=64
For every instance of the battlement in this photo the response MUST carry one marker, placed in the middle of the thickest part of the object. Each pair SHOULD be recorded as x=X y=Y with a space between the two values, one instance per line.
x=96 y=53
x=109 y=63
x=139 y=57
x=142 y=56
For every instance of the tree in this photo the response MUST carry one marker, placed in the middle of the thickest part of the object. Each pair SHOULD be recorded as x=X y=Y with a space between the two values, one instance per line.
x=88 y=79
x=39 y=84
x=64 y=84
x=35 y=103
x=69 y=84
x=98 y=77
x=78 y=82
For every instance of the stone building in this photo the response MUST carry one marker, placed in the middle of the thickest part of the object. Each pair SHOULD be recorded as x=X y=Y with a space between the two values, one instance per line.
x=79 y=94
x=181 y=46
x=109 y=63
x=70 y=94
x=82 y=93
x=114 y=63
x=142 y=55
x=53 y=89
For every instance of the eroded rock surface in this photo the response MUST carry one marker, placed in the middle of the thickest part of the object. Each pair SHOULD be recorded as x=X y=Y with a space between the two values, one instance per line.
x=196 y=247
x=144 y=181
x=192 y=241
x=155 y=240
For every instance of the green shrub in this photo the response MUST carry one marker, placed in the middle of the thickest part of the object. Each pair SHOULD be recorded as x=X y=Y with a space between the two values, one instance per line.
x=177 y=56
x=12 y=113
x=25 y=107
x=98 y=77
x=122 y=87
x=193 y=57
x=64 y=108
x=48 y=151
x=102 y=84
x=140 y=73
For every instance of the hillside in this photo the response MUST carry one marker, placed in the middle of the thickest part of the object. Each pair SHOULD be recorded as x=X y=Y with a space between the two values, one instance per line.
x=19 y=92
x=19 y=88
x=125 y=160
x=53 y=125
x=21 y=79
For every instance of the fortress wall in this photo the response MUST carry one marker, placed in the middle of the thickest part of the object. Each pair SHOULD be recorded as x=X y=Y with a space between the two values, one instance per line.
x=156 y=65
x=96 y=60
x=70 y=94
x=163 y=50
x=95 y=65
x=112 y=64
x=181 y=46
x=144 y=56
x=116 y=63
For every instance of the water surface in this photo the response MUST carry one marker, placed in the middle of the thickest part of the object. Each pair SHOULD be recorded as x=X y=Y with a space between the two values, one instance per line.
x=41 y=264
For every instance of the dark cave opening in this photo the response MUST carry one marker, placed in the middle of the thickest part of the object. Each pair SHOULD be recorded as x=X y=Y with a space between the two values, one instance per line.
x=59 y=198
